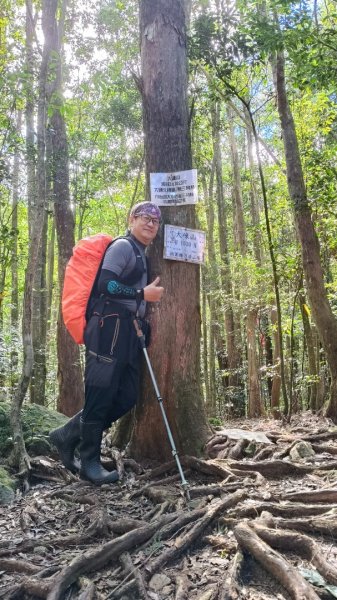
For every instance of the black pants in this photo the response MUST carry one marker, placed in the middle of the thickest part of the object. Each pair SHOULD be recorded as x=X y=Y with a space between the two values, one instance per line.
x=112 y=364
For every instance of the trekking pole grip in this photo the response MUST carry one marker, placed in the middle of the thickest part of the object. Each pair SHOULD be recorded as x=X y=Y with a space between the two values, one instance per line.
x=139 y=332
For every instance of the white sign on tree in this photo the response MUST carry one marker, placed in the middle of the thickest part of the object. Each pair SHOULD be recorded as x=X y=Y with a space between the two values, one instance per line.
x=187 y=245
x=168 y=189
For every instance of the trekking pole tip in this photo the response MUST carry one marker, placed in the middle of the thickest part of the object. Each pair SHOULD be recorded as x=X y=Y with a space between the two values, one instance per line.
x=186 y=490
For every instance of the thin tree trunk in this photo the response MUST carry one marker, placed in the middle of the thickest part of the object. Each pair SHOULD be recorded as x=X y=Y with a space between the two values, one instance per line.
x=50 y=272
x=225 y=272
x=255 y=405
x=69 y=368
x=254 y=204
x=39 y=322
x=272 y=255
x=39 y=314
x=211 y=285
x=205 y=337
x=323 y=316
x=258 y=253
x=239 y=221
x=19 y=456
x=220 y=328
x=310 y=345
x=276 y=387
x=268 y=348
x=14 y=262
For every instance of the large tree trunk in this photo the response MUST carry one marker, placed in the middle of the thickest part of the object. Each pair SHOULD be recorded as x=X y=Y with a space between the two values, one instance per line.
x=70 y=398
x=175 y=350
x=324 y=318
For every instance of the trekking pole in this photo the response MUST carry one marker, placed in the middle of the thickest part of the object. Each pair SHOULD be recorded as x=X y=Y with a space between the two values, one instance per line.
x=141 y=338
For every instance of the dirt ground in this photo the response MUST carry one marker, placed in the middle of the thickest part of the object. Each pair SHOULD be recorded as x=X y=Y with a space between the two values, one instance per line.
x=260 y=523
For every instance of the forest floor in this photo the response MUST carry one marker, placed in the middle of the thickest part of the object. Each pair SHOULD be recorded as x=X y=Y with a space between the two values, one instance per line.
x=260 y=523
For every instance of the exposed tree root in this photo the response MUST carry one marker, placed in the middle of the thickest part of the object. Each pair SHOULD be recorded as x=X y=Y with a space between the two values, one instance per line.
x=159 y=482
x=320 y=448
x=273 y=468
x=264 y=453
x=182 y=587
x=96 y=559
x=231 y=586
x=283 y=510
x=273 y=562
x=328 y=495
x=124 y=525
x=237 y=450
x=13 y=565
x=218 y=489
x=97 y=528
x=182 y=543
x=164 y=468
x=324 y=526
x=131 y=570
x=296 y=542
x=209 y=467
x=89 y=593
x=110 y=542
x=159 y=496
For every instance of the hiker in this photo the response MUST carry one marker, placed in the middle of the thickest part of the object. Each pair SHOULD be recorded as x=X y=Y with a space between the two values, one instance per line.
x=112 y=347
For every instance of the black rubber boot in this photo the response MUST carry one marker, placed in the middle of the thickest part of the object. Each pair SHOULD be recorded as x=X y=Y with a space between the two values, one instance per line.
x=66 y=439
x=90 y=453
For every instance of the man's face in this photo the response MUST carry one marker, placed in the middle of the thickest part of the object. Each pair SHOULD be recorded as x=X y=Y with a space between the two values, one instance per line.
x=144 y=228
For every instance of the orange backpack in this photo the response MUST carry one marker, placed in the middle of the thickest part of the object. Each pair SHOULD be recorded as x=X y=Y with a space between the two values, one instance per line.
x=79 y=279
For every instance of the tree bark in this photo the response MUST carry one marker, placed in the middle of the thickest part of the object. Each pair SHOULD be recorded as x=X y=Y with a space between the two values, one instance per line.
x=19 y=456
x=238 y=216
x=323 y=316
x=175 y=351
x=210 y=286
x=39 y=315
x=225 y=272
x=276 y=386
x=14 y=261
x=254 y=204
x=70 y=398
x=308 y=335
x=255 y=405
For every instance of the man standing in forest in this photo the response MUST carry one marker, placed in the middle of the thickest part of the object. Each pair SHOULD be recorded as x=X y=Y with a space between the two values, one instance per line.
x=112 y=347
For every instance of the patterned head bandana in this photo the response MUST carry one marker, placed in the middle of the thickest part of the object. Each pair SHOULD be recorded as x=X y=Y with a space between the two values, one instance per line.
x=146 y=208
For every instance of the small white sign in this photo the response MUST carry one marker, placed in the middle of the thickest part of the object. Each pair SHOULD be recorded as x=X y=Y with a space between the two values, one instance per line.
x=187 y=245
x=169 y=189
